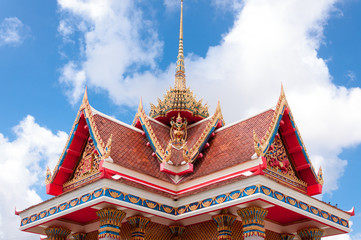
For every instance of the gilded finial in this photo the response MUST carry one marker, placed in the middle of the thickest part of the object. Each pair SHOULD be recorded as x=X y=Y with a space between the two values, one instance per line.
x=48 y=175
x=108 y=147
x=180 y=80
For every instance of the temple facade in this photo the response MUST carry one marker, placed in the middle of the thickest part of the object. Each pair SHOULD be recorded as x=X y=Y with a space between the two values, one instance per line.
x=182 y=173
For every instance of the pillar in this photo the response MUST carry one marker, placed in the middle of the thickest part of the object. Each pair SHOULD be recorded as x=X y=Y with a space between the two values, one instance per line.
x=224 y=223
x=79 y=236
x=56 y=233
x=310 y=233
x=110 y=222
x=138 y=224
x=177 y=231
x=286 y=236
x=253 y=222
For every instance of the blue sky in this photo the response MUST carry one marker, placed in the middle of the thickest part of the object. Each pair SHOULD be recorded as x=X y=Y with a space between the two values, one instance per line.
x=238 y=52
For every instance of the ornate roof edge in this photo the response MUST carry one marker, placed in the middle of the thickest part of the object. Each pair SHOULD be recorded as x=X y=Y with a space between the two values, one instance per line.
x=142 y=119
x=216 y=121
x=262 y=145
x=86 y=116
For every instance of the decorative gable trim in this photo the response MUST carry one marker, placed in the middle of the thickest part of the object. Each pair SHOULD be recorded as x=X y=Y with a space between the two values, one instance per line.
x=83 y=131
x=284 y=125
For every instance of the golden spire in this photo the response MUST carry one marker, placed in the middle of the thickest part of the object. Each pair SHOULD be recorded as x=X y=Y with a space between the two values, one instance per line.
x=180 y=79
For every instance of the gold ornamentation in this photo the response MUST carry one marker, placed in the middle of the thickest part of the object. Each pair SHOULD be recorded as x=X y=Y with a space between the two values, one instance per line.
x=114 y=194
x=56 y=233
x=74 y=202
x=88 y=166
x=207 y=202
x=320 y=176
x=224 y=223
x=279 y=196
x=292 y=201
x=325 y=214
x=181 y=210
x=178 y=131
x=262 y=146
x=151 y=204
x=63 y=206
x=52 y=210
x=279 y=163
x=85 y=198
x=179 y=98
x=266 y=190
x=310 y=233
x=235 y=195
x=138 y=223
x=194 y=206
x=250 y=191
x=220 y=199
x=98 y=193
x=108 y=147
x=133 y=199
x=42 y=214
x=85 y=106
x=48 y=175
x=303 y=205
x=253 y=221
x=167 y=209
x=314 y=210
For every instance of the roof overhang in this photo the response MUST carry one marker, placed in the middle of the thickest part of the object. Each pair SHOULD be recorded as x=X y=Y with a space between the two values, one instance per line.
x=299 y=209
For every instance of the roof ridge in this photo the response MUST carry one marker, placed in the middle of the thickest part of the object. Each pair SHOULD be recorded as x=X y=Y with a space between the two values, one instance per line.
x=115 y=120
x=156 y=121
x=244 y=119
x=199 y=122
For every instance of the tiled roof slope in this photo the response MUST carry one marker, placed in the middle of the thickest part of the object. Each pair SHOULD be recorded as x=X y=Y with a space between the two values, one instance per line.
x=231 y=146
x=129 y=148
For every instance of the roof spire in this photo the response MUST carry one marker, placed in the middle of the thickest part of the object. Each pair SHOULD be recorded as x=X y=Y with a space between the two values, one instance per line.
x=180 y=79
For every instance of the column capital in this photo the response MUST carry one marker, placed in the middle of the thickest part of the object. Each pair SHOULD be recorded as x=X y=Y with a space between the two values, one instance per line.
x=224 y=222
x=138 y=223
x=110 y=222
x=177 y=231
x=79 y=236
x=253 y=221
x=287 y=236
x=56 y=233
x=310 y=233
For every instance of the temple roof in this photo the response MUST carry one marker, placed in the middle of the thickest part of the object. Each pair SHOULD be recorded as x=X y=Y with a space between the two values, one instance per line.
x=179 y=99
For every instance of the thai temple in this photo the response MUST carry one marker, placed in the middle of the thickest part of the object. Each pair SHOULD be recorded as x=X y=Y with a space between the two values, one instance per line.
x=180 y=172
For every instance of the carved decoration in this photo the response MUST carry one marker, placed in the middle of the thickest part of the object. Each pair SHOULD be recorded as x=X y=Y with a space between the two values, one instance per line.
x=178 y=131
x=279 y=163
x=189 y=155
x=87 y=166
x=85 y=109
x=179 y=100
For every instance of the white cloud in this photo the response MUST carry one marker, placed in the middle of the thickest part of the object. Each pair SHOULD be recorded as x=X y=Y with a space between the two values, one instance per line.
x=271 y=42
x=12 y=31
x=171 y=5
x=234 y=5
x=23 y=162
x=74 y=79
x=115 y=32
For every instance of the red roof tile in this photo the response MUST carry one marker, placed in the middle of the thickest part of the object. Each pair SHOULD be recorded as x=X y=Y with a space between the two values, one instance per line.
x=231 y=146
x=129 y=148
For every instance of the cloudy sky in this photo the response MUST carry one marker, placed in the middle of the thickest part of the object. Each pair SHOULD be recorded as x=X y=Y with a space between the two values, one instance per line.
x=237 y=51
